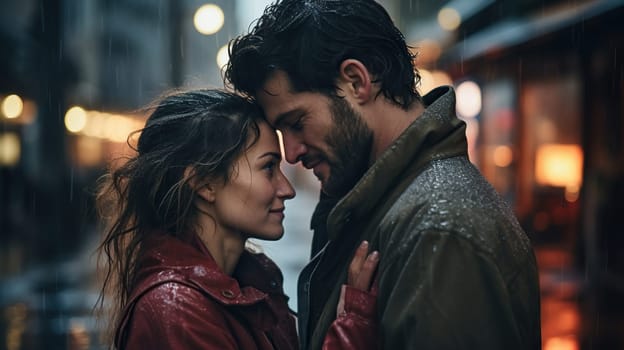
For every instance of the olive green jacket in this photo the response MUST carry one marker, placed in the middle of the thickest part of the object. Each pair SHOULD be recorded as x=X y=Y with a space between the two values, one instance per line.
x=456 y=269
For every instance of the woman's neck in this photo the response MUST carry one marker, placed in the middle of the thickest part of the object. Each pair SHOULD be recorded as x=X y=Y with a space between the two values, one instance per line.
x=225 y=247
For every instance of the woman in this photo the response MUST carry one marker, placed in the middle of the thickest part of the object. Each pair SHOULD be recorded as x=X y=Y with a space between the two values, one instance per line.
x=204 y=179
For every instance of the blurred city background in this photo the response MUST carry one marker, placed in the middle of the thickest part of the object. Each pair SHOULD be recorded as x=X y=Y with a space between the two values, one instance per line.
x=540 y=84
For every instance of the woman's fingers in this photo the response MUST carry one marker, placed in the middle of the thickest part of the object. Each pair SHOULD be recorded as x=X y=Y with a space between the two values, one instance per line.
x=357 y=262
x=341 y=301
x=367 y=272
x=362 y=267
x=361 y=272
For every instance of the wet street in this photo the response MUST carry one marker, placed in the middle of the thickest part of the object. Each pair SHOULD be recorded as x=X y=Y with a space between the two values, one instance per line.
x=574 y=315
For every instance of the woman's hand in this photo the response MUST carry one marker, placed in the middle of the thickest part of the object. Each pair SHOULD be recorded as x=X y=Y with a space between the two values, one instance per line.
x=355 y=326
x=361 y=272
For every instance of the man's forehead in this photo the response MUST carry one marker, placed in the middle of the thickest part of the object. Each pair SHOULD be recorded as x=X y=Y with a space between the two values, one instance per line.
x=277 y=83
x=276 y=98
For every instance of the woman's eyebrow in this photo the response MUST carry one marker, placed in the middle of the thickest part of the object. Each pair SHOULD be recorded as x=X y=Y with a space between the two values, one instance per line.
x=271 y=154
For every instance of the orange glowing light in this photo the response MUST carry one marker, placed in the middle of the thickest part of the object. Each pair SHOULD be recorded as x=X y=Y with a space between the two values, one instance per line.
x=503 y=156
x=559 y=165
x=561 y=343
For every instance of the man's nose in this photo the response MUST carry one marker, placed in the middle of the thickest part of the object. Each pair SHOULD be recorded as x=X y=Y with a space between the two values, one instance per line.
x=293 y=149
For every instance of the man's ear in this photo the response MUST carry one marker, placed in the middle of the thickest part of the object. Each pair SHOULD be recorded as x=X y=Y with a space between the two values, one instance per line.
x=354 y=79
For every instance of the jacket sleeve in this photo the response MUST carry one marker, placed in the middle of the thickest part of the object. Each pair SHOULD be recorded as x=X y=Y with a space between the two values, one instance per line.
x=356 y=327
x=174 y=316
x=443 y=292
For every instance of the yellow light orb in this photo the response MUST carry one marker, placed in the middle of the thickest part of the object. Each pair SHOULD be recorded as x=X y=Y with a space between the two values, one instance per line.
x=12 y=106
x=75 y=119
x=10 y=149
x=208 y=19
x=468 y=99
x=449 y=19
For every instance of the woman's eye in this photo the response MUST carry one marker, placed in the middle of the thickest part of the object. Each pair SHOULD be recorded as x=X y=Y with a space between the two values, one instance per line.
x=269 y=166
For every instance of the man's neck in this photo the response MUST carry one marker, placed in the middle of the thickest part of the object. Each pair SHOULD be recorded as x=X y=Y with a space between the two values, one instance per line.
x=390 y=122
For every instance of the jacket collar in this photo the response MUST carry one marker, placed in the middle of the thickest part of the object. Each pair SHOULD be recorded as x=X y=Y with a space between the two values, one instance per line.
x=171 y=259
x=436 y=134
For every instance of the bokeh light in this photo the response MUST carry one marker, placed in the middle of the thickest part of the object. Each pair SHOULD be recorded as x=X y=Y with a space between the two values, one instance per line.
x=468 y=99
x=208 y=19
x=449 y=19
x=223 y=56
x=559 y=165
x=75 y=119
x=12 y=106
x=503 y=156
x=561 y=343
x=10 y=149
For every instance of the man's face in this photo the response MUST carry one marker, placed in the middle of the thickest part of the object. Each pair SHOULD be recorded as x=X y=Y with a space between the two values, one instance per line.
x=322 y=132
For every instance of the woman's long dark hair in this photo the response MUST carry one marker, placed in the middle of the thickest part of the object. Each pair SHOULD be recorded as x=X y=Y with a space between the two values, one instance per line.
x=151 y=193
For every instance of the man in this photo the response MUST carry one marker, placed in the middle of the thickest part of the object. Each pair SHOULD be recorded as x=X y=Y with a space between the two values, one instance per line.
x=456 y=270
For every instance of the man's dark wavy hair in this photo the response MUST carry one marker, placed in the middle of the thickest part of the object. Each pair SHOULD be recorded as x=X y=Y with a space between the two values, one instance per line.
x=309 y=39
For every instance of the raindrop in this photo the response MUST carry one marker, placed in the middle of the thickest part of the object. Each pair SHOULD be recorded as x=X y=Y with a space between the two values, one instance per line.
x=71 y=185
x=42 y=16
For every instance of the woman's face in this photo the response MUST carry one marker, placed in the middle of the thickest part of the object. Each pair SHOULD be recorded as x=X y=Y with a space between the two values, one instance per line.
x=252 y=201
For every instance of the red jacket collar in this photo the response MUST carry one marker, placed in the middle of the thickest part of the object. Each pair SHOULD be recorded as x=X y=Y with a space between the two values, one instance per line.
x=254 y=292
x=171 y=259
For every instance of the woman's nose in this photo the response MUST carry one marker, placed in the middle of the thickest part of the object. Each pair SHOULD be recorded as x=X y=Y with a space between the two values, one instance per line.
x=285 y=189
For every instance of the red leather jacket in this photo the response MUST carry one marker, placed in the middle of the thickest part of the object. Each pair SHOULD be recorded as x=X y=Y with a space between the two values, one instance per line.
x=182 y=300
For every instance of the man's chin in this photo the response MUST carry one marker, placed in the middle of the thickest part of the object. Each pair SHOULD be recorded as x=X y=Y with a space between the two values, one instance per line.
x=332 y=191
x=331 y=186
x=319 y=177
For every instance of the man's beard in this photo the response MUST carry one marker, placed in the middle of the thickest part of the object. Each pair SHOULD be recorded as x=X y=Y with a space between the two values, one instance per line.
x=351 y=142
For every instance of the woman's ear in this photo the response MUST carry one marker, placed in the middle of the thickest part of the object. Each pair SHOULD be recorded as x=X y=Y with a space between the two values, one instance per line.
x=207 y=192
x=354 y=79
x=204 y=189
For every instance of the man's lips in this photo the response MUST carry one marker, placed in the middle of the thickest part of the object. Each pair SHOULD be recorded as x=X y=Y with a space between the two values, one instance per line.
x=310 y=163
